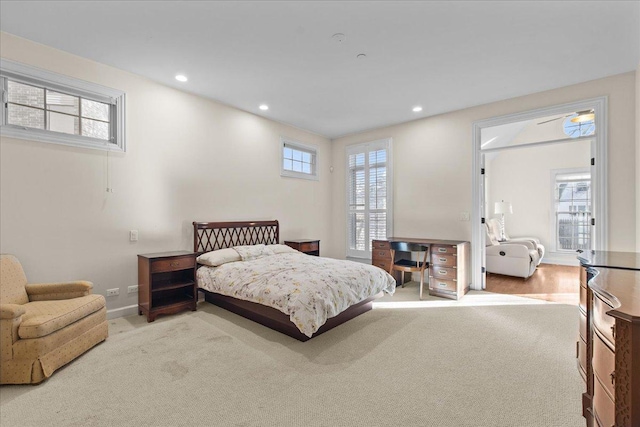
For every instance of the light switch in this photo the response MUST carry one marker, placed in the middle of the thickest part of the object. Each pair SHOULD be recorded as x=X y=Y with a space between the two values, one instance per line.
x=133 y=235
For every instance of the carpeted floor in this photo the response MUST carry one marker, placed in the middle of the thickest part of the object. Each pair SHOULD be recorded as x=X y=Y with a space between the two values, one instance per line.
x=487 y=366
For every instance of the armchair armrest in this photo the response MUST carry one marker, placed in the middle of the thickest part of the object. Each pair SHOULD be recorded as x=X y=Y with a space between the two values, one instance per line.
x=520 y=239
x=56 y=291
x=515 y=250
x=528 y=243
x=11 y=311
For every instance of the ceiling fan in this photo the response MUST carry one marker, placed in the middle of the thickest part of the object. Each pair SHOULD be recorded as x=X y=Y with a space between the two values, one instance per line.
x=582 y=116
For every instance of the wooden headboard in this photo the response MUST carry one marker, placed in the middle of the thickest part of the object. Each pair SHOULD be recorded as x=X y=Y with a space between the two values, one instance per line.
x=210 y=236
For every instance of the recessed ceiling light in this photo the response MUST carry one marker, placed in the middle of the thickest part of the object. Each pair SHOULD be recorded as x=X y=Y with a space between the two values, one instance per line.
x=264 y=107
x=417 y=109
x=181 y=78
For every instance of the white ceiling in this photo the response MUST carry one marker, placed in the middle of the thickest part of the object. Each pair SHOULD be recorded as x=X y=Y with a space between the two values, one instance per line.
x=443 y=56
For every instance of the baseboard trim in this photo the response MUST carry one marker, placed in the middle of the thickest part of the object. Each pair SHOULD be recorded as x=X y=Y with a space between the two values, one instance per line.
x=122 y=311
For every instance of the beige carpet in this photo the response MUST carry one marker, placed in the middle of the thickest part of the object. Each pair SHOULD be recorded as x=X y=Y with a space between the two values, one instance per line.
x=453 y=366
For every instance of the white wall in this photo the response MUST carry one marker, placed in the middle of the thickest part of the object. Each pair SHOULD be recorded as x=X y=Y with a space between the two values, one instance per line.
x=432 y=163
x=523 y=177
x=188 y=159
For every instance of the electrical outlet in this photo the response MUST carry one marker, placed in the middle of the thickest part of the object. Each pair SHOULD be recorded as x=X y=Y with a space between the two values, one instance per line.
x=133 y=235
x=464 y=216
x=132 y=289
x=113 y=292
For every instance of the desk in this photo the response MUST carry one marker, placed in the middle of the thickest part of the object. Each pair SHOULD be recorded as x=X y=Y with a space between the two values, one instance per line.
x=449 y=269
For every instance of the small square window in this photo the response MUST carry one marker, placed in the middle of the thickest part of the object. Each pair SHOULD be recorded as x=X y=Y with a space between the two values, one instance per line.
x=298 y=160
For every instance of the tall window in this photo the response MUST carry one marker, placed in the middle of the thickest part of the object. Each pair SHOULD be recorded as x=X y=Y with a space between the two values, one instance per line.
x=298 y=160
x=43 y=106
x=369 y=203
x=572 y=195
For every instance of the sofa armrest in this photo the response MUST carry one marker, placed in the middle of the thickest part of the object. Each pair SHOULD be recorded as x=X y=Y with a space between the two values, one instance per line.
x=56 y=291
x=520 y=239
x=11 y=311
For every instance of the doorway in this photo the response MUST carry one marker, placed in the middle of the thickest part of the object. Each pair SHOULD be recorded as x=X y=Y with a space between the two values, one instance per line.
x=540 y=128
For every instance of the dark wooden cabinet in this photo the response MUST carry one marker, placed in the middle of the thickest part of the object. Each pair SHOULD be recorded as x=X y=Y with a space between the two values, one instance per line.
x=166 y=283
x=608 y=345
x=309 y=247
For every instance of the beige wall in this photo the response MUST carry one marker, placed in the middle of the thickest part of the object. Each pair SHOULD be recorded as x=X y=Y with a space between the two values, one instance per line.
x=638 y=159
x=187 y=159
x=523 y=177
x=432 y=161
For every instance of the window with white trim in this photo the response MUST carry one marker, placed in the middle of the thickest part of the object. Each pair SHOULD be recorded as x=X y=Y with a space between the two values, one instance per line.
x=572 y=206
x=369 y=196
x=39 y=105
x=298 y=160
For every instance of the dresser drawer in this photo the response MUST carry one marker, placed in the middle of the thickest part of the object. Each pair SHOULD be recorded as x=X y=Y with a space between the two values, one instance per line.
x=442 y=260
x=309 y=246
x=602 y=321
x=442 y=285
x=582 y=355
x=443 y=249
x=604 y=362
x=446 y=273
x=583 y=299
x=583 y=325
x=603 y=407
x=383 y=264
x=173 y=264
x=381 y=244
x=381 y=254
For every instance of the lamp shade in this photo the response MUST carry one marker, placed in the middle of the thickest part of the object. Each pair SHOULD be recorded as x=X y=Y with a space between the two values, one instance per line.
x=503 y=208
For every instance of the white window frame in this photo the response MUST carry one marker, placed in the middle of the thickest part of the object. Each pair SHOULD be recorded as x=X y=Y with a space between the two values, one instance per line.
x=552 y=212
x=21 y=73
x=296 y=145
x=367 y=147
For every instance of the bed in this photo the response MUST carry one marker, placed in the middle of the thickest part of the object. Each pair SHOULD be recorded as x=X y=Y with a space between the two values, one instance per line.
x=299 y=295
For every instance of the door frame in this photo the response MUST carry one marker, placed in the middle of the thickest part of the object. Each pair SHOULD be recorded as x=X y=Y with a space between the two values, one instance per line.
x=598 y=175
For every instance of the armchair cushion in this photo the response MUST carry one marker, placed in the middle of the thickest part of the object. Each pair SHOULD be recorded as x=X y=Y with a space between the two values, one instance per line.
x=45 y=317
x=58 y=291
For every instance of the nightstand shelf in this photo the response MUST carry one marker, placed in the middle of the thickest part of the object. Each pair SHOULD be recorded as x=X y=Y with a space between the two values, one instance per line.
x=166 y=283
x=309 y=247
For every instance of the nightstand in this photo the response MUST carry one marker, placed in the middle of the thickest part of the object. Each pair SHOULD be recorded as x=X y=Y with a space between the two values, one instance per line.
x=166 y=283
x=309 y=247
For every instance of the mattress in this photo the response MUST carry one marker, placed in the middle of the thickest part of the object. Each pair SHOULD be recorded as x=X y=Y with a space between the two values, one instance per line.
x=308 y=289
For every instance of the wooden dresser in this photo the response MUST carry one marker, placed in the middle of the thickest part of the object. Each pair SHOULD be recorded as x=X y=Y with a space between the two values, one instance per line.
x=449 y=269
x=608 y=347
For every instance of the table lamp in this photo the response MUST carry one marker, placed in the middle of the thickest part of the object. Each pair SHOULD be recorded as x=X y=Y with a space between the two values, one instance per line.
x=502 y=208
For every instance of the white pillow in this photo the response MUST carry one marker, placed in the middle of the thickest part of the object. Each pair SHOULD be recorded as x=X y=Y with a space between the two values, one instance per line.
x=281 y=249
x=219 y=257
x=247 y=253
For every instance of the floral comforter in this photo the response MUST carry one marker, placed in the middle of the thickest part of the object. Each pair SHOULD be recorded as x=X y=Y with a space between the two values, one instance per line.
x=309 y=289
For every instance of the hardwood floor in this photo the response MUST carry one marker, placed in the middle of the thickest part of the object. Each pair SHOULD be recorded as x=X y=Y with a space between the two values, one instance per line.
x=550 y=282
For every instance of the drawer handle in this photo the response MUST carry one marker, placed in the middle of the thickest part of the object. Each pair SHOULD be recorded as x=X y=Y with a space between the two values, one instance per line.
x=381 y=253
x=613 y=377
x=442 y=249
x=442 y=271
x=613 y=331
x=174 y=264
x=444 y=285
x=442 y=259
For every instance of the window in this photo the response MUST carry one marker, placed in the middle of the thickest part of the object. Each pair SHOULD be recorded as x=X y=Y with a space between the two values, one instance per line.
x=299 y=160
x=369 y=201
x=572 y=201
x=43 y=106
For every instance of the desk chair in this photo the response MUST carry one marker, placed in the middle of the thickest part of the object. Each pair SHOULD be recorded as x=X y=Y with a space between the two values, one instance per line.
x=407 y=265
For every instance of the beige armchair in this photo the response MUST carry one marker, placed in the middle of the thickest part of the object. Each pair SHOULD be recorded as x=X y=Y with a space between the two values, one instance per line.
x=44 y=326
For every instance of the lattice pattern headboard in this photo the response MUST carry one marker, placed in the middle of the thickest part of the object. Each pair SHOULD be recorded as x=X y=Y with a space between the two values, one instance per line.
x=210 y=236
